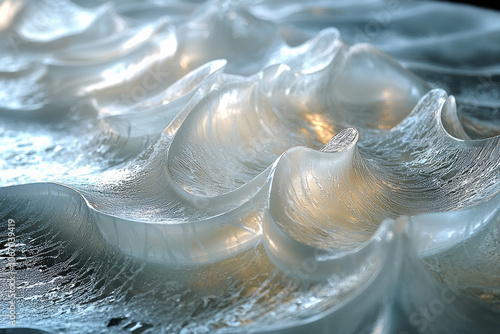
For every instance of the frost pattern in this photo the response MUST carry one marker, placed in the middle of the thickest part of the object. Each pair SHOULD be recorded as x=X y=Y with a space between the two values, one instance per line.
x=225 y=166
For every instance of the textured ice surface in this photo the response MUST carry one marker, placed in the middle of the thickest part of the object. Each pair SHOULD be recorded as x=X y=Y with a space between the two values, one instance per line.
x=253 y=166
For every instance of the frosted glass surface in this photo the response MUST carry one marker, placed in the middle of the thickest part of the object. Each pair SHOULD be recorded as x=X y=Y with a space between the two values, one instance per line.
x=249 y=167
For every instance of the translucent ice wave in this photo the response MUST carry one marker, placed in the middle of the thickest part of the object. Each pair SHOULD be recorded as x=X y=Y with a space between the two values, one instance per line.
x=230 y=166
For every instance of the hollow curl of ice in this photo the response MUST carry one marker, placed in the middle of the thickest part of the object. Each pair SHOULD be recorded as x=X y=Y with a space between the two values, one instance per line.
x=251 y=166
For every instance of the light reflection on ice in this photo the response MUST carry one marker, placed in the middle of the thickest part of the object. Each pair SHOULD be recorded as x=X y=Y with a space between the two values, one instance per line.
x=302 y=183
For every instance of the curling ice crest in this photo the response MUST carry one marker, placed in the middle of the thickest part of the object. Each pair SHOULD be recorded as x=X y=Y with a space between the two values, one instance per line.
x=240 y=171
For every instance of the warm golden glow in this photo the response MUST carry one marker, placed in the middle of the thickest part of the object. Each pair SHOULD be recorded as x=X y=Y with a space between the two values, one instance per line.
x=184 y=61
x=321 y=125
x=8 y=10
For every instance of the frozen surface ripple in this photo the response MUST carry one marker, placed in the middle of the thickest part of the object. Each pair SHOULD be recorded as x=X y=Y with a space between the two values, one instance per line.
x=249 y=166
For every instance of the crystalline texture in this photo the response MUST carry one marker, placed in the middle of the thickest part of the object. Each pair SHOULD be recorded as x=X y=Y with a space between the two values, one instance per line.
x=261 y=167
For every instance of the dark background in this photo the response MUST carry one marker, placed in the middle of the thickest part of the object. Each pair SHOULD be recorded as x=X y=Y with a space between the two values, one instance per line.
x=485 y=4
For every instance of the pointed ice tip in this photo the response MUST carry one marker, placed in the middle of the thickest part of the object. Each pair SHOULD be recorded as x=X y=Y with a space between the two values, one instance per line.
x=217 y=64
x=436 y=93
x=343 y=140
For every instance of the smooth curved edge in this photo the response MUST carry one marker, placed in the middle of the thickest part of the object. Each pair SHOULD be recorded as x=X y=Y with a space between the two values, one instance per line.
x=365 y=300
x=436 y=232
x=180 y=243
x=443 y=100
x=291 y=255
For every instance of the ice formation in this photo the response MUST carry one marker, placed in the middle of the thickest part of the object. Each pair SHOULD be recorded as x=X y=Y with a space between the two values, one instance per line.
x=250 y=166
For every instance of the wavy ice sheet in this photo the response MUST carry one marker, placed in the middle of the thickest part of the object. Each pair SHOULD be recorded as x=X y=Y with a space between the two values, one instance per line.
x=250 y=166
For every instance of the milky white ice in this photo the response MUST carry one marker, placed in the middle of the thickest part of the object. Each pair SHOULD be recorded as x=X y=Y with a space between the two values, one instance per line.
x=251 y=166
